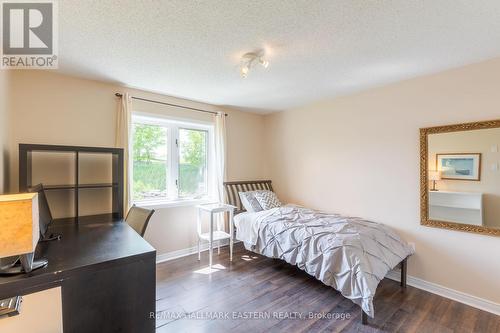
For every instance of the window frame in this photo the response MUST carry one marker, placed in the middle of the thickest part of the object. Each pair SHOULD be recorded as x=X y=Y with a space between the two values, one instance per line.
x=173 y=125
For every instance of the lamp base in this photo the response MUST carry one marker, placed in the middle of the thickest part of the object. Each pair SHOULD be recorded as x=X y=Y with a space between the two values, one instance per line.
x=433 y=189
x=25 y=264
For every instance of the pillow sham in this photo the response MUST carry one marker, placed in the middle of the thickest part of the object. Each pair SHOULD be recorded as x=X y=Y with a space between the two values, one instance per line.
x=249 y=202
x=267 y=199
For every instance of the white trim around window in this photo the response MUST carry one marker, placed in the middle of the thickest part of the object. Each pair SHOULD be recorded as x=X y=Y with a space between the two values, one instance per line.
x=173 y=125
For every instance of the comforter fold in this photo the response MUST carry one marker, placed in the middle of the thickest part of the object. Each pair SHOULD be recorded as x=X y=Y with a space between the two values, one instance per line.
x=350 y=254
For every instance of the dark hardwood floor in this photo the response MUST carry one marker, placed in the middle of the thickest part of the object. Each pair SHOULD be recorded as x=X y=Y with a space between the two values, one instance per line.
x=271 y=292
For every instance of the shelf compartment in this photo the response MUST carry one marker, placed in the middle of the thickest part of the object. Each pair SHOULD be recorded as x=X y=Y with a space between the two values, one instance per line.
x=95 y=201
x=95 y=168
x=61 y=203
x=52 y=168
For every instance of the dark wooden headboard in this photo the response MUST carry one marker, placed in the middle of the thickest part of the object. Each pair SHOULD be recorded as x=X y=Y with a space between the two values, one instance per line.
x=232 y=189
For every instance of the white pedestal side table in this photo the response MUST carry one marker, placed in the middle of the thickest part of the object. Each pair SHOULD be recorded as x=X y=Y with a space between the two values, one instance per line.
x=215 y=235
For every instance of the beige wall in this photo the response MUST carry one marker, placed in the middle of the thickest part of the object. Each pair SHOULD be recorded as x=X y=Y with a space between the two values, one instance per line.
x=41 y=312
x=478 y=141
x=56 y=109
x=359 y=155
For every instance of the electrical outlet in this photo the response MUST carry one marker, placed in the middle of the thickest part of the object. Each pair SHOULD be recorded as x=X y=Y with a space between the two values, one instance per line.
x=494 y=148
x=412 y=245
x=494 y=166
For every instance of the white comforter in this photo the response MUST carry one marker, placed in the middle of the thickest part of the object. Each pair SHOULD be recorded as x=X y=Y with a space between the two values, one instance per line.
x=349 y=254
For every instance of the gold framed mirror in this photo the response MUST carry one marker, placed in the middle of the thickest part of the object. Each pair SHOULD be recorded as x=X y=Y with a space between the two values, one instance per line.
x=460 y=177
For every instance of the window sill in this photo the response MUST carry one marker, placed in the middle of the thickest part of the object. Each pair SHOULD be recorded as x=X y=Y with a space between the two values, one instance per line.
x=173 y=203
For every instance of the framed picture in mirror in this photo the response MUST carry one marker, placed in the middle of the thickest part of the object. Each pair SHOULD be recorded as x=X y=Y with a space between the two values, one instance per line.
x=459 y=166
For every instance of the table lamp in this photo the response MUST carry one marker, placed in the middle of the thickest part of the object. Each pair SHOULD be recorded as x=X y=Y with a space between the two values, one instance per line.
x=19 y=232
x=434 y=175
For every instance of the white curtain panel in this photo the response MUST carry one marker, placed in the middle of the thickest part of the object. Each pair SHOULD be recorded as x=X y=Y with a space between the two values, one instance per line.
x=122 y=140
x=220 y=154
x=220 y=158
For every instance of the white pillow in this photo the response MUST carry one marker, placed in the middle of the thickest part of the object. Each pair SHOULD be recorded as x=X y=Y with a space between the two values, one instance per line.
x=267 y=199
x=249 y=202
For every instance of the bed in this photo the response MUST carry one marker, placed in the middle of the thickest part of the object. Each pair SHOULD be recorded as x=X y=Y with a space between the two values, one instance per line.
x=350 y=254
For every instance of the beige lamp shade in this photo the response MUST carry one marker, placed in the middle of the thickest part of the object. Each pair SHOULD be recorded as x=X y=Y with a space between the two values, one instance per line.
x=19 y=229
x=434 y=175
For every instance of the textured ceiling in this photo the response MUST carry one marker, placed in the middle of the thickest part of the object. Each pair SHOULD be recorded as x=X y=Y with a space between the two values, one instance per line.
x=317 y=49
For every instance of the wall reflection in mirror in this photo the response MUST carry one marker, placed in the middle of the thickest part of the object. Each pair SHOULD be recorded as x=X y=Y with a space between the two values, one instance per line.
x=464 y=177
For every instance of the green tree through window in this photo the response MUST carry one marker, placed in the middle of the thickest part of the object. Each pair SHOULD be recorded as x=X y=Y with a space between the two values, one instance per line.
x=150 y=162
x=192 y=162
x=150 y=167
x=147 y=139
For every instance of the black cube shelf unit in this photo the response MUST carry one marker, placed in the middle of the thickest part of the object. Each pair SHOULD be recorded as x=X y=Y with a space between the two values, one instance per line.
x=26 y=171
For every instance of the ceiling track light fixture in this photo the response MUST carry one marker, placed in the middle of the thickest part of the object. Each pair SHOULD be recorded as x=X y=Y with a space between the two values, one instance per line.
x=249 y=59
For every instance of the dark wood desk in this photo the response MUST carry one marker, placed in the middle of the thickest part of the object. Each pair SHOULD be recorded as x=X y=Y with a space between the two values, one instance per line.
x=106 y=272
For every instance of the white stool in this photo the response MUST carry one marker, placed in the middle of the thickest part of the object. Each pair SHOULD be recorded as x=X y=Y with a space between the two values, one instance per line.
x=218 y=235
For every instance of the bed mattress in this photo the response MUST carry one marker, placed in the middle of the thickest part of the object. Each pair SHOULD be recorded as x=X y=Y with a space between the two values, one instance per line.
x=350 y=254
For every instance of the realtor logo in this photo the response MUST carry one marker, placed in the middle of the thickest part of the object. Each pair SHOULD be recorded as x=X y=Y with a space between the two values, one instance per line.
x=29 y=34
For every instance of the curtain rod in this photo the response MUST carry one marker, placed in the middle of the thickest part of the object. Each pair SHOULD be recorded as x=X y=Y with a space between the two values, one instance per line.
x=169 y=104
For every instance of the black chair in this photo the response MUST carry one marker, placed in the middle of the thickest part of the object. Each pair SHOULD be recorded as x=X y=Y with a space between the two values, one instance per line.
x=138 y=218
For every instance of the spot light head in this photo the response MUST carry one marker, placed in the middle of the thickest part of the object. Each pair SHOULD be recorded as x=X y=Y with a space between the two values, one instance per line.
x=244 y=71
x=250 y=59
x=263 y=62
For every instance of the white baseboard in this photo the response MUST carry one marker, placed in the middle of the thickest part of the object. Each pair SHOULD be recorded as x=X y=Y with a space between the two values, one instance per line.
x=186 y=252
x=455 y=295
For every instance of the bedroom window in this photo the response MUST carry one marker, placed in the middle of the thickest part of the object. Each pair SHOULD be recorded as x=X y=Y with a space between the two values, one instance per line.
x=170 y=160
